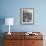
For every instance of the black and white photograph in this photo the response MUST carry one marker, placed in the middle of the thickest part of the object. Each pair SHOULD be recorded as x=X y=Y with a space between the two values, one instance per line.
x=27 y=15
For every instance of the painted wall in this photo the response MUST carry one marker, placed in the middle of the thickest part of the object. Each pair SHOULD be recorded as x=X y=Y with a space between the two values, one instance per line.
x=11 y=8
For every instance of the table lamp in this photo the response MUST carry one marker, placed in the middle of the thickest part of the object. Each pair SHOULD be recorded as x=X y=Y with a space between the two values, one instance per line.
x=9 y=21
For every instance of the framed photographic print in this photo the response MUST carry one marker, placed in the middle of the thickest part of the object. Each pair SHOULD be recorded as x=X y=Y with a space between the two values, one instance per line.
x=27 y=15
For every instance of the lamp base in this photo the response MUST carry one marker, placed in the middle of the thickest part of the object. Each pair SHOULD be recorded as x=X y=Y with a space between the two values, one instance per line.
x=9 y=33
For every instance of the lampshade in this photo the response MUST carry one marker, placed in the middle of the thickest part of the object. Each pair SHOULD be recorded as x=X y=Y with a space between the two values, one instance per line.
x=9 y=21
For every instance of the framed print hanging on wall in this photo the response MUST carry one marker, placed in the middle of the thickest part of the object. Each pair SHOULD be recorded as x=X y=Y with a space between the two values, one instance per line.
x=27 y=15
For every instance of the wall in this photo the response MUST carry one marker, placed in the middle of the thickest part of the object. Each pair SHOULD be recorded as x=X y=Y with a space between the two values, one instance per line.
x=11 y=8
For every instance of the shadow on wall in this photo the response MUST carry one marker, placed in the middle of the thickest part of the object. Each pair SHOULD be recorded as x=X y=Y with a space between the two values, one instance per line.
x=2 y=21
x=1 y=39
